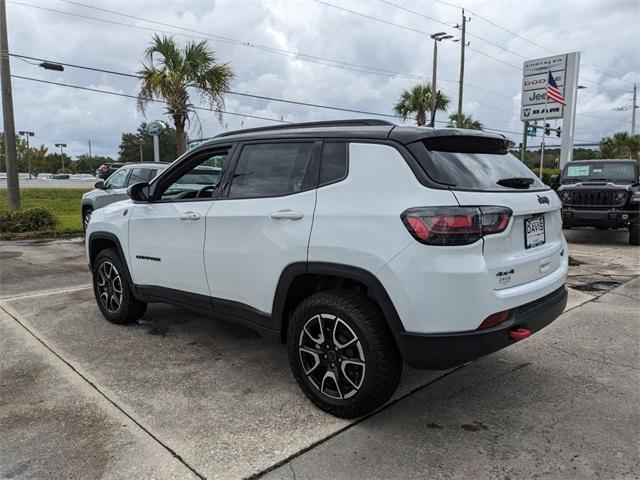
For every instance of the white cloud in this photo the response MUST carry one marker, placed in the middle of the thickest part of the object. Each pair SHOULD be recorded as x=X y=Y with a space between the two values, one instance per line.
x=604 y=31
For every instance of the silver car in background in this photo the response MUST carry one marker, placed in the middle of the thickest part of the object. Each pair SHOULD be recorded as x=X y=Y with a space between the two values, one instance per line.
x=115 y=187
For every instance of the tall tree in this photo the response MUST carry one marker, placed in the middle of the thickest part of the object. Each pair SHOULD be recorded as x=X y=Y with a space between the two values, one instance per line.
x=418 y=101
x=170 y=72
x=464 y=121
x=138 y=146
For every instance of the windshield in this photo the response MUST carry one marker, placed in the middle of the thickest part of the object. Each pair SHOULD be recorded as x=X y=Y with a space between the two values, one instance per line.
x=600 y=171
x=476 y=163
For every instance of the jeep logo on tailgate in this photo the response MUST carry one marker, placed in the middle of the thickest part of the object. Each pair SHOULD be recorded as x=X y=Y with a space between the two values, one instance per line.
x=543 y=200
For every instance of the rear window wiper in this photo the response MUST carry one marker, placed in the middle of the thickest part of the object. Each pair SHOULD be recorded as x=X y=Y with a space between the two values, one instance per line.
x=516 y=182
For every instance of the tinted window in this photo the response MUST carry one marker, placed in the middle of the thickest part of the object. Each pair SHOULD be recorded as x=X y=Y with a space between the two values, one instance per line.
x=265 y=170
x=334 y=162
x=141 y=175
x=472 y=163
x=118 y=179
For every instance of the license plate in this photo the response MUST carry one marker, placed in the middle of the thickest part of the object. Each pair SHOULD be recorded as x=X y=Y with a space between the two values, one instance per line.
x=534 y=232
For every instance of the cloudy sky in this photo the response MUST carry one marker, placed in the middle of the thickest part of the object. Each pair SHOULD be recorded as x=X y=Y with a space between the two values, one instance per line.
x=310 y=51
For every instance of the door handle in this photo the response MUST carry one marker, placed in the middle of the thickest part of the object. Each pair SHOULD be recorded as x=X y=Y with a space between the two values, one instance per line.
x=190 y=216
x=286 y=215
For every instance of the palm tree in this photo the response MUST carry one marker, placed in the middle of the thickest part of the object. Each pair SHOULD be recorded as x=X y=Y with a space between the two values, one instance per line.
x=620 y=145
x=171 y=72
x=418 y=101
x=463 y=121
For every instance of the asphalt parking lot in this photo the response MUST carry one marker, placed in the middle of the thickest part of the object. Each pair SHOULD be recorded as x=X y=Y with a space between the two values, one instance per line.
x=41 y=183
x=180 y=396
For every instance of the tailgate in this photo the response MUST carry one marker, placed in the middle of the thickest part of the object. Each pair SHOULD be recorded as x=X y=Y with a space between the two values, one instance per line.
x=531 y=247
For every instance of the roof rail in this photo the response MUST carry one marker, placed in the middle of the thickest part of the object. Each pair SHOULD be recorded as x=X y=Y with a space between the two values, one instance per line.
x=365 y=122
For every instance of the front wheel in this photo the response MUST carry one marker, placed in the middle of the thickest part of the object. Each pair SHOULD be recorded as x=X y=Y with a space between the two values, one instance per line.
x=86 y=217
x=342 y=353
x=112 y=289
x=634 y=234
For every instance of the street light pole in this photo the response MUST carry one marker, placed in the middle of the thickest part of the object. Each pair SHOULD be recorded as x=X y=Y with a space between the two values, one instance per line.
x=437 y=37
x=634 y=107
x=26 y=135
x=10 y=154
x=62 y=145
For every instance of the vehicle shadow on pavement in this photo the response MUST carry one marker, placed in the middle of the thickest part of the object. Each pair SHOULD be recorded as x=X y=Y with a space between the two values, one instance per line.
x=216 y=393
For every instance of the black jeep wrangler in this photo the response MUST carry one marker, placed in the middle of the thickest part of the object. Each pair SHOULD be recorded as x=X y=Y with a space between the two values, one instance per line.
x=602 y=194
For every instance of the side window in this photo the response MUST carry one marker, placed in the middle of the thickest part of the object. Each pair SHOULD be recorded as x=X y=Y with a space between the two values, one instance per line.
x=117 y=179
x=272 y=169
x=199 y=181
x=141 y=175
x=334 y=162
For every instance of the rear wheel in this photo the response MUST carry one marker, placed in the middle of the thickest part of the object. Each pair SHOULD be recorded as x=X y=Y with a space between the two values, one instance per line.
x=112 y=289
x=634 y=234
x=342 y=353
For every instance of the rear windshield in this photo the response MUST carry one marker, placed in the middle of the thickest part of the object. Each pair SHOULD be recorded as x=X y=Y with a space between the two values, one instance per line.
x=475 y=163
x=599 y=171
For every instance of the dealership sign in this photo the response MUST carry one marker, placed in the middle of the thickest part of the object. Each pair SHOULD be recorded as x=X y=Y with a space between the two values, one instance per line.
x=534 y=86
x=534 y=104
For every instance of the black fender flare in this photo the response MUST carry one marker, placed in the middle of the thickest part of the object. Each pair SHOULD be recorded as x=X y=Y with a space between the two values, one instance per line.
x=112 y=238
x=376 y=290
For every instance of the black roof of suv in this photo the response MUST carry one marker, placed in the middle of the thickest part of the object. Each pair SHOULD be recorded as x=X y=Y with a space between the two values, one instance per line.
x=365 y=128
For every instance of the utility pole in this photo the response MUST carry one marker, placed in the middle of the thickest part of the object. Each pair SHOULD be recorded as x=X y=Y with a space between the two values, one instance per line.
x=463 y=44
x=26 y=135
x=10 y=154
x=89 y=149
x=634 y=107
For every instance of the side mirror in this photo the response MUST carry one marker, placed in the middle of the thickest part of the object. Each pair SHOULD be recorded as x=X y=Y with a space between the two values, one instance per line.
x=139 y=192
x=99 y=185
x=554 y=179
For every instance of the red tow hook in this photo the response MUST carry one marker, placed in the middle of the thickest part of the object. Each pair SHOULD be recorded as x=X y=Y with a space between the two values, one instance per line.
x=520 y=333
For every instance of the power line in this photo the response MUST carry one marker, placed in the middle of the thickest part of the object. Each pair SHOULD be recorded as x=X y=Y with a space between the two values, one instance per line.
x=288 y=53
x=218 y=38
x=243 y=94
x=136 y=97
x=404 y=27
x=484 y=40
x=231 y=92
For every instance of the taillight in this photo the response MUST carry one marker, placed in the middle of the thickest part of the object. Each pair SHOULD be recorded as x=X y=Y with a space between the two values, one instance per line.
x=493 y=320
x=455 y=225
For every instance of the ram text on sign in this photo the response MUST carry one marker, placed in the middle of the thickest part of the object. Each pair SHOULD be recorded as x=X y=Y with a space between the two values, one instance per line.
x=537 y=112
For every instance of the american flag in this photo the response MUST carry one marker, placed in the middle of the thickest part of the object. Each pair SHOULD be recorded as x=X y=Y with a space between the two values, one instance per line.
x=553 y=92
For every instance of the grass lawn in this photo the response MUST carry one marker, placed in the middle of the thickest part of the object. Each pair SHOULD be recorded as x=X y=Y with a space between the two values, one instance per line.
x=65 y=203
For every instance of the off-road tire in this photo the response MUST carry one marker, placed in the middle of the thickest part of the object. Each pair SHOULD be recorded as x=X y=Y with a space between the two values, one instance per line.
x=382 y=360
x=86 y=216
x=130 y=308
x=634 y=234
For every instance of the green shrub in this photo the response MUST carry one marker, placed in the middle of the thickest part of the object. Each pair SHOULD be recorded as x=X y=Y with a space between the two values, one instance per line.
x=36 y=219
x=546 y=174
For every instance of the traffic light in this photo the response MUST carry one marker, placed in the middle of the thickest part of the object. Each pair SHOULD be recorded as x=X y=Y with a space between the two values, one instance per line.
x=558 y=132
x=547 y=129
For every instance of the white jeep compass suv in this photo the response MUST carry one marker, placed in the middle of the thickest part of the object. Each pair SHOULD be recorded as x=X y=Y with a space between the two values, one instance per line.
x=358 y=243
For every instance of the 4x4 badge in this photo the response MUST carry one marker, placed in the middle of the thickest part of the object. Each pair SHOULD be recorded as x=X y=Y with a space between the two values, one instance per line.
x=543 y=200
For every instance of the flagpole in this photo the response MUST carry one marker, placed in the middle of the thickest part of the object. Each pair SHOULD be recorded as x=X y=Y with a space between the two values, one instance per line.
x=544 y=129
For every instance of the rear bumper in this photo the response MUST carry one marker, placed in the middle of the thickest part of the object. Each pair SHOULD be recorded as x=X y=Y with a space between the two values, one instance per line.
x=441 y=351
x=603 y=217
